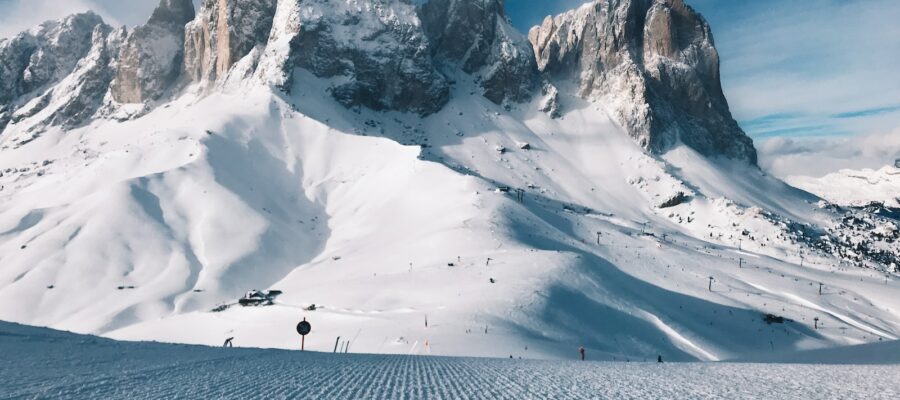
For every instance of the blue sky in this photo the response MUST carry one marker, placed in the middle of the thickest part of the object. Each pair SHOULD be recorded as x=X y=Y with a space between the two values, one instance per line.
x=795 y=68
x=791 y=69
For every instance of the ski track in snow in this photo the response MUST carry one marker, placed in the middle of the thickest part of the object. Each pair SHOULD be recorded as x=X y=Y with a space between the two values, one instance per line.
x=40 y=363
x=842 y=317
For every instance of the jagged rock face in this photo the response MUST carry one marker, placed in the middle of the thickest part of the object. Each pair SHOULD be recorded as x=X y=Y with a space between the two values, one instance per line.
x=477 y=36
x=654 y=65
x=81 y=94
x=651 y=62
x=4 y=117
x=91 y=79
x=550 y=101
x=151 y=59
x=42 y=56
x=275 y=66
x=56 y=73
x=375 y=50
x=224 y=32
x=379 y=47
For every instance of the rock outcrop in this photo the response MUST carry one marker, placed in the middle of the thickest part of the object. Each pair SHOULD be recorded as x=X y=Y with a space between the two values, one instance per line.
x=224 y=32
x=375 y=51
x=550 y=101
x=81 y=94
x=477 y=36
x=276 y=67
x=44 y=55
x=653 y=64
x=386 y=54
x=151 y=58
x=37 y=68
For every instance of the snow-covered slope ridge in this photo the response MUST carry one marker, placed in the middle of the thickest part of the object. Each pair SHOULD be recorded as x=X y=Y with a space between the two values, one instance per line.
x=855 y=188
x=479 y=229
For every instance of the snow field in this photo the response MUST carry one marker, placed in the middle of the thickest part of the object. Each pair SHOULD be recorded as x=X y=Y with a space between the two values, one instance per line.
x=40 y=363
x=857 y=188
x=362 y=213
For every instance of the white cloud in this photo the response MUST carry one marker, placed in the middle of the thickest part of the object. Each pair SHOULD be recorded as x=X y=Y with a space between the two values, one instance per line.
x=810 y=59
x=19 y=15
x=816 y=157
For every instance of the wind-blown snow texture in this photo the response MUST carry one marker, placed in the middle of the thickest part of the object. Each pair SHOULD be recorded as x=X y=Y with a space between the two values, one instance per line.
x=391 y=199
x=65 y=366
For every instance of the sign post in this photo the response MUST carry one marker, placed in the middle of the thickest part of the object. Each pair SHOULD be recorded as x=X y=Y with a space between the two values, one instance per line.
x=303 y=328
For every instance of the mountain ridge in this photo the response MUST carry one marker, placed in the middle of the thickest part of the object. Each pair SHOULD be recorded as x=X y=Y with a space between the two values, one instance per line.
x=178 y=47
x=855 y=187
x=374 y=202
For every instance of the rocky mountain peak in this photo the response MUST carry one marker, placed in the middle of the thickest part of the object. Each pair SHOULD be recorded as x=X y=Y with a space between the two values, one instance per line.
x=224 y=32
x=150 y=60
x=33 y=59
x=477 y=36
x=34 y=62
x=172 y=12
x=376 y=51
x=463 y=30
x=653 y=64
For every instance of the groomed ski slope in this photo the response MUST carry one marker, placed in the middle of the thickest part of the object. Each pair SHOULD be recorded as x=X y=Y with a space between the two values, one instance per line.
x=384 y=220
x=39 y=363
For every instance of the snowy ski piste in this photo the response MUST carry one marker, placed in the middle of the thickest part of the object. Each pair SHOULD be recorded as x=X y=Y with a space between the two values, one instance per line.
x=40 y=363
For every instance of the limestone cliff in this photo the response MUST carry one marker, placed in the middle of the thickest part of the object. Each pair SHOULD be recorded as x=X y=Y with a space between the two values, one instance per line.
x=653 y=64
x=150 y=60
x=224 y=32
x=478 y=37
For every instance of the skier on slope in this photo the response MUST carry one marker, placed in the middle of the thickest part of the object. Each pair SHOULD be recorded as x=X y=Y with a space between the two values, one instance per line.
x=228 y=342
x=581 y=351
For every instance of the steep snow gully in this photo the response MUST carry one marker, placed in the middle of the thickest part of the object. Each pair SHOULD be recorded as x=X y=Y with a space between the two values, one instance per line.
x=433 y=218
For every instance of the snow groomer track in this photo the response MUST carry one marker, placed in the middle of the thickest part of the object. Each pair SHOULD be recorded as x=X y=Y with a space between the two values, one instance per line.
x=40 y=363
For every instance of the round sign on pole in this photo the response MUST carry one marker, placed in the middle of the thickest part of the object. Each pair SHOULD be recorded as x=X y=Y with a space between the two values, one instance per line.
x=303 y=328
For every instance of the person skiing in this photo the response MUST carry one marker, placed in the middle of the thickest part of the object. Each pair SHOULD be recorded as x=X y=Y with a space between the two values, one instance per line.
x=228 y=342
x=659 y=359
x=581 y=351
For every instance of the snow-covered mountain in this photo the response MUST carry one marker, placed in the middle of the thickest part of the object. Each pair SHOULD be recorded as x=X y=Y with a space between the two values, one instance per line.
x=855 y=188
x=653 y=65
x=414 y=179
